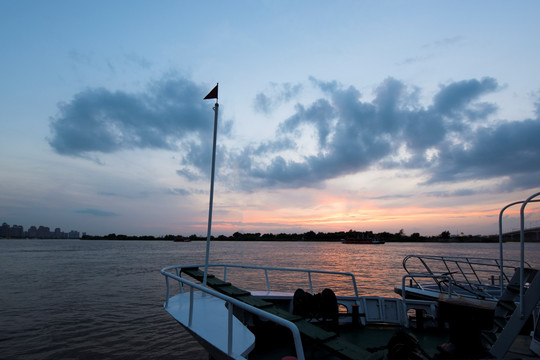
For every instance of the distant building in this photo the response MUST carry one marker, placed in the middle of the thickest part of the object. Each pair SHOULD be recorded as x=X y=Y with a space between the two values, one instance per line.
x=4 y=230
x=17 y=232
x=43 y=232
x=32 y=232
x=58 y=234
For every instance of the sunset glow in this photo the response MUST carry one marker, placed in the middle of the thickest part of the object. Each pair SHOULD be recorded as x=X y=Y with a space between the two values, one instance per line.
x=419 y=117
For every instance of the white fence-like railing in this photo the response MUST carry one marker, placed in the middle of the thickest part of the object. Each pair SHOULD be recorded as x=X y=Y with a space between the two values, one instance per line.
x=231 y=303
x=348 y=279
x=484 y=277
x=375 y=309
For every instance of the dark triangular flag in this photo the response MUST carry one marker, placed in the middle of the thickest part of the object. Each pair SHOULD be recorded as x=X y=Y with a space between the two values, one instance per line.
x=212 y=94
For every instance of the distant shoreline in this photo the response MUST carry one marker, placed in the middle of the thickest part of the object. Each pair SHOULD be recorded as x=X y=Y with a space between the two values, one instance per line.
x=490 y=241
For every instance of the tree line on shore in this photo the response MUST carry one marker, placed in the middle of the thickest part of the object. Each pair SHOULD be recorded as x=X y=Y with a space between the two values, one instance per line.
x=445 y=236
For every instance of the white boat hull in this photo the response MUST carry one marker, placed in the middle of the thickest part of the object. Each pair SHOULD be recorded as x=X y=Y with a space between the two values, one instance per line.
x=209 y=325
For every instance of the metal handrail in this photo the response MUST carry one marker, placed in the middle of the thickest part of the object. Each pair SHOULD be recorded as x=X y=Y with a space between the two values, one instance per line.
x=266 y=269
x=522 y=250
x=501 y=256
x=475 y=265
x=231 y=302
x=412 y=276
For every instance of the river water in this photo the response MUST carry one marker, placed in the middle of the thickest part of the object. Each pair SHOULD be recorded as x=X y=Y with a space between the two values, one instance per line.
x=73 y=299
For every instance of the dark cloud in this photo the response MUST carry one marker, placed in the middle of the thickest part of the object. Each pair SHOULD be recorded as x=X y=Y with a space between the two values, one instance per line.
x=454 y=98
x=96 y=212
x=169 y=115
x=453 y=139
x=510 y=149
x=103 y=121
x=320 y=113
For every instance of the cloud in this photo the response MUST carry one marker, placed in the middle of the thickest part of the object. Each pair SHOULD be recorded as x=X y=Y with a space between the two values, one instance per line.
x=96 y=212
x=445 y=42
x=510 y=150
x=452 y=139
x=138 y=60
x=414 y=60
x=104 y=121
x=454 y=98
x=266 y=102
x=177 y=191
x=455 y=138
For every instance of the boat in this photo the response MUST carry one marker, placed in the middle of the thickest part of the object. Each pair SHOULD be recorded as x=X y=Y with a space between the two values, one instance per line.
x=292 y=317
x=303 y=313
x=361 y=241
x=181 y=239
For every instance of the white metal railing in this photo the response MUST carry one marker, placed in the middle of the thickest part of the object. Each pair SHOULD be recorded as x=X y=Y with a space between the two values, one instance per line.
x=413 y=276
x=231 y=303
x=501 y=252
x=266 y=270
x=174 y=273
x=473 y=274
x=521 y=240
x=522 y=250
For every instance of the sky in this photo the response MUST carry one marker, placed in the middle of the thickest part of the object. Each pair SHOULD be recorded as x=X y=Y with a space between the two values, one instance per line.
x=421 y=116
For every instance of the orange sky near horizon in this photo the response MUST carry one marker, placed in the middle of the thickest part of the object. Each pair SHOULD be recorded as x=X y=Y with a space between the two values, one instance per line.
x=411 y=219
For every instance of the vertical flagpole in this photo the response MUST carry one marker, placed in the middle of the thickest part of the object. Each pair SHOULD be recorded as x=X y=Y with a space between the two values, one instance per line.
x=210 y=207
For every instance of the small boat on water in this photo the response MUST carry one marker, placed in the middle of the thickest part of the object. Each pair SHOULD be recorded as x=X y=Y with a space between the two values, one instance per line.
x=361 y=241
x=182 y=239
x=320 y=314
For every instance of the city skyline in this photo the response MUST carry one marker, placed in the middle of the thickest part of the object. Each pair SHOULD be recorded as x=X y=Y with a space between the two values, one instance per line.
x=333 y=116
x=41 y=232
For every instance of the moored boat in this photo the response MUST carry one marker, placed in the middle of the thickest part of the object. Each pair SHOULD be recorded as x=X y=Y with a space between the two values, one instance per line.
x=312 y=313
x=361 y=241
x=182 y=239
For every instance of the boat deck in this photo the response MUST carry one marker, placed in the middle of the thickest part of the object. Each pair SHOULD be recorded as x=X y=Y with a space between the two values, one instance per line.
x=347 y=341
x=327 y=340
x=211 y=315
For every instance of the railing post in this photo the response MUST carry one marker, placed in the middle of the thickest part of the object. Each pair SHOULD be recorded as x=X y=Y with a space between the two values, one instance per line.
x=522 y=250
x=168 y=292
x=501 y=256
x=230 y=329
x=180 y=287
x=530 y=199
x=354 y=285
x=190 y=321
x=267 y=280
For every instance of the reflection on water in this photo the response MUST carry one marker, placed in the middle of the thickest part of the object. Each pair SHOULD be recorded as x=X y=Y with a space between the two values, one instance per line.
x=103 y=299
x=377 y=268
